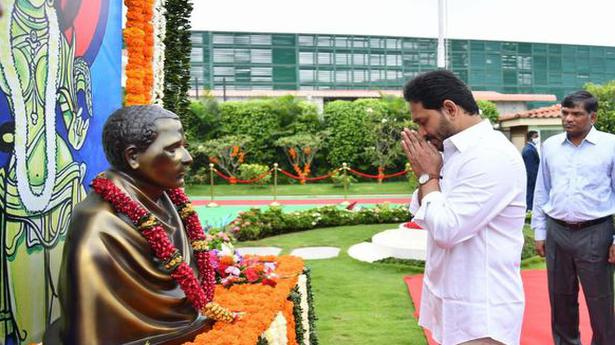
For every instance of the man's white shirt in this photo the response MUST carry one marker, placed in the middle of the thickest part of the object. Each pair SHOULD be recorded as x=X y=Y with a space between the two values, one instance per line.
x=472 y=285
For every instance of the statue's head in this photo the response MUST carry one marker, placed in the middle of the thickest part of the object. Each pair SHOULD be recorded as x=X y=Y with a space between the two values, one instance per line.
x=148 y=143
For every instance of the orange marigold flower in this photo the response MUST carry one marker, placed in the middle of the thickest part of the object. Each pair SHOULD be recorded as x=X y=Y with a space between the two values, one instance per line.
x=227 y=260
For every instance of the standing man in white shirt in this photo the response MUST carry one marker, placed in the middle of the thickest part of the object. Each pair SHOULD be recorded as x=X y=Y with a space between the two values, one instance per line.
x=572 y=220
x=471 y=201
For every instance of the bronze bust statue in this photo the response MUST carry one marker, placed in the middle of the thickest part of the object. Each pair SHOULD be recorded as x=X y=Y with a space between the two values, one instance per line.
x=112 y=289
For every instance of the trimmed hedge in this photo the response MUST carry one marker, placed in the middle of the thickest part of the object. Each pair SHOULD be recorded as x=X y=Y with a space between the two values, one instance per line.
x=266 y=120
x=256 y=223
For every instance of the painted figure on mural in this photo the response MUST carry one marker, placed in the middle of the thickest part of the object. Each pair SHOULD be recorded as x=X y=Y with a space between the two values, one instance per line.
x=47 y=90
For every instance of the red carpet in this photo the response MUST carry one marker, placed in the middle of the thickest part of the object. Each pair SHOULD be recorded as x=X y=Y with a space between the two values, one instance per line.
x=536 y=320
x=324 y=201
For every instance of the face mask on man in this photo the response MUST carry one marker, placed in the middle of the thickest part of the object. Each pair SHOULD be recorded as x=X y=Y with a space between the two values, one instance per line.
x=536 y=140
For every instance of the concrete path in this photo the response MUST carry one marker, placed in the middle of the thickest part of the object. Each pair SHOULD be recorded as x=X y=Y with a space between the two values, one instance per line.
x=259 y=251
x=316 y=253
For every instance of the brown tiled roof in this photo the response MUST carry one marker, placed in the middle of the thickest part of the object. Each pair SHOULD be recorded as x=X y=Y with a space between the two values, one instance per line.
x=538 y=113
x=479 y=95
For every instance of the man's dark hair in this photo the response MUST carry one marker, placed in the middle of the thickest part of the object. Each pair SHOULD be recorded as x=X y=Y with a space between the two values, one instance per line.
x=531 y=134
x=433 y=88
x=134 y=125
x=584 y=98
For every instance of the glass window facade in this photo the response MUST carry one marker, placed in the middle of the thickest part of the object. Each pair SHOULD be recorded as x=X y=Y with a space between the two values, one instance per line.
x=264 y=61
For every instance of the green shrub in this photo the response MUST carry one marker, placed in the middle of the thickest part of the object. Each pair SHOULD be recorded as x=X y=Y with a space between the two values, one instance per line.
x=606 y=105
x=256 y=223
x=364 y=133
x=338 y=179
x=200 y=176
x=529 y=249
x=203 y=120
x=252 y=171
x=489 y=111
x=350 y=131
x=266 y=120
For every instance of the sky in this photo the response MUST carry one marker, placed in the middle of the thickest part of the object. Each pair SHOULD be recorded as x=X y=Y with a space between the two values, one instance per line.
x=588 y=22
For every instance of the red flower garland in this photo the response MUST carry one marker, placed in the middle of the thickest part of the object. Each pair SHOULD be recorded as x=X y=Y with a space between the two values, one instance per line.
x=198 y=293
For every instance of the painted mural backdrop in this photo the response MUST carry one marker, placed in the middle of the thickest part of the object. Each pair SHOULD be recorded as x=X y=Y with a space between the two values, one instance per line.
x=60 y=69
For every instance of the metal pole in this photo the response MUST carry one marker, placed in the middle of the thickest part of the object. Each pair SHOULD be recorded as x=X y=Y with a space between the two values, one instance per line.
x=441 y=34
x=345 y=177
x=224 y=89
x=196 y=86
x=275 y=185
x=211 y=186
x=409 y=175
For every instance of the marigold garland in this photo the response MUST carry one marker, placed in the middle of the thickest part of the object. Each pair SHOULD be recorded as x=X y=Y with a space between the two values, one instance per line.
x=289 y=315
x=139 y=40
x=260 y=302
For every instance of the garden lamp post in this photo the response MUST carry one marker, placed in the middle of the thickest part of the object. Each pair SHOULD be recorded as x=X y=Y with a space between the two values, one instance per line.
x=345 y=179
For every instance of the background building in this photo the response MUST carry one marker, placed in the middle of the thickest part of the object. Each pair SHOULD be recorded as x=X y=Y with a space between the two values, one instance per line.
x=279 y=61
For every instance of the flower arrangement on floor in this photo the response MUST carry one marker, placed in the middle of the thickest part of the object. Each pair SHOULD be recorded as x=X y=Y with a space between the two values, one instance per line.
x=265 y=306
x=233 y=268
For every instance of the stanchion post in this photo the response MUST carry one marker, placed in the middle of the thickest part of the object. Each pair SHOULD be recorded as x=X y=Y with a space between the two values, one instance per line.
x=345 y=179
x=408 y=176
x=275 y=185
x=211 y=186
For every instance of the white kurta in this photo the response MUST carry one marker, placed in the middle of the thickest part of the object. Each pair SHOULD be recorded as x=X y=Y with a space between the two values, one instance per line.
x=472 y=286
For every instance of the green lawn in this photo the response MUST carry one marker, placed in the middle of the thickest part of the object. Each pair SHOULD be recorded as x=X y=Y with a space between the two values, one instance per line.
x=402 y=187
x=359 y=303
x=356 y=303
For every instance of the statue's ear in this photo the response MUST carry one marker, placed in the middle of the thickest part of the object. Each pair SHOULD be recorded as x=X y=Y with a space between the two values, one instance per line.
x=131 y=156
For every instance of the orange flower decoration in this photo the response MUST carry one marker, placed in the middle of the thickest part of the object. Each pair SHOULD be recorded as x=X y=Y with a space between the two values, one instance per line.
x=292 y=153
x=227 y=260
x=234 y=151
x=260 y=303
x=139 y=40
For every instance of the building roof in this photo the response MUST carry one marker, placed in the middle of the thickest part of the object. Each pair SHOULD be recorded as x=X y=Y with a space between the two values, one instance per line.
x=479 y=95
x=550 y=112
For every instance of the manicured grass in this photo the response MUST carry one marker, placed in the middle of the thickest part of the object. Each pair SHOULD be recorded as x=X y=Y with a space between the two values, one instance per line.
x=356 y=303
x=402 y=187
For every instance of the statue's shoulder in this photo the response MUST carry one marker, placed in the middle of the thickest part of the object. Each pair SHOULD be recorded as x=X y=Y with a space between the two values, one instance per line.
x=92 y=208
x=92 y=217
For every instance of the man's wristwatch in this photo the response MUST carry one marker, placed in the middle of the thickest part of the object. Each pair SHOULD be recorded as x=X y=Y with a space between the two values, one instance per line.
x=424 y=178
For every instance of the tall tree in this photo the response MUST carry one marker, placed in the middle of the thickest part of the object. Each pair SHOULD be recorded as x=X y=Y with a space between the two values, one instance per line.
x=606 y=105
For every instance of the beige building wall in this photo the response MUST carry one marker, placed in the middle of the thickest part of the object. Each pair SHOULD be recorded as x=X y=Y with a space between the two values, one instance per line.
x=517 y=136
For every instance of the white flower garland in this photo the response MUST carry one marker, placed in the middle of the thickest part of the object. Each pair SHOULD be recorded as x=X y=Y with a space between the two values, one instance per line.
x=32 y=201
x=159 y=23
x=302 y=284
x=276 y=333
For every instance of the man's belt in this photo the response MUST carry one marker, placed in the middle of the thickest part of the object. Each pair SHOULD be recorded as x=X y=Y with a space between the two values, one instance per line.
x=581 y=225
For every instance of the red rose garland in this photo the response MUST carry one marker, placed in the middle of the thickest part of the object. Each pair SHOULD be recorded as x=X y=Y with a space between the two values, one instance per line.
x=200 y=294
